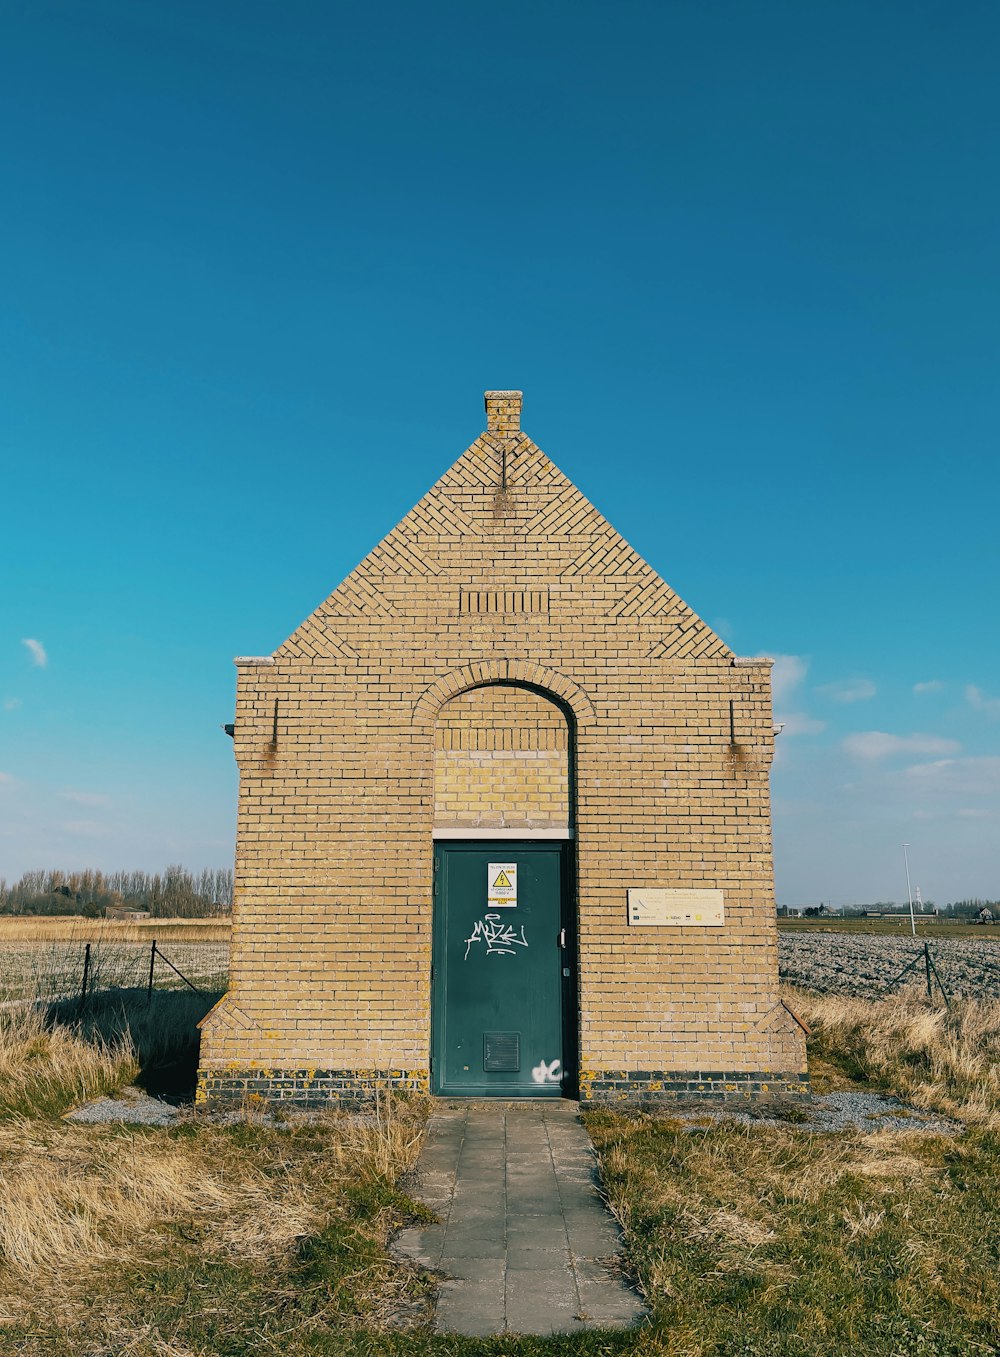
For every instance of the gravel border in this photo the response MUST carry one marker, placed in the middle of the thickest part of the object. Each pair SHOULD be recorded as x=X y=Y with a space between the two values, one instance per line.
x=132 y=1106
x=824 y=1114
x=831 y=1112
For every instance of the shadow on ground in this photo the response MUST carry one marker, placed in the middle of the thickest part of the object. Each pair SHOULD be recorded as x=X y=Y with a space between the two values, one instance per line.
x=163 y=1029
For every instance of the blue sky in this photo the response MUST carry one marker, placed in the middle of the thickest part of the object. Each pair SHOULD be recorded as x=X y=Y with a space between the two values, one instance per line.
x=258 y=263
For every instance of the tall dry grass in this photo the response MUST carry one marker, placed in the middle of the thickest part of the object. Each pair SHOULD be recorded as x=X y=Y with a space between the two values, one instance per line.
x=161 y=1033
x=75 y=928
x=194 y=1238
x=45 y=1068
x=88 y=1213
x=944 y=1060
x=69 y=1199
x=74 y=1199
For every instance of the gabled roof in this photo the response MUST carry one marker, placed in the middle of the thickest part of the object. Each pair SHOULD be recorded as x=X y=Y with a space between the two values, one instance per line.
x=498 y=516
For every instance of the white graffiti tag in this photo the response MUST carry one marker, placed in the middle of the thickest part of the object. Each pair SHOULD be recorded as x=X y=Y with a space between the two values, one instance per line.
x=500 y=938
x=543 y=1073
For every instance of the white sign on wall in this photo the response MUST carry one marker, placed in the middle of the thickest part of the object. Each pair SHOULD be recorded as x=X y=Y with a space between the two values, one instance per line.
x=501 y=885
x=695 y=908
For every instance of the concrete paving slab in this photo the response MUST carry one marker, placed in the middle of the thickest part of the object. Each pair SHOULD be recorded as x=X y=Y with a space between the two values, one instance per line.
x=539 y=1259
x=522 y=1223
x=478 y=1269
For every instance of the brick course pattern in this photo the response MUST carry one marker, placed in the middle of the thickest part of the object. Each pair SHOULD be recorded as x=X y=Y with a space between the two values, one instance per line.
x=309 y=1087
x=655 y=1087
x=501 y=761
x=345 y=737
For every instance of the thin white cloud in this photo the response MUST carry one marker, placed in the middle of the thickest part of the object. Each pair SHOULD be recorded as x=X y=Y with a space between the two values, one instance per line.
x=90 y=829
x=38 y=653
x=931 y=686
x=978 y=701
x=850 y=690
x=11 y=703
x=787 y=674
x=5 y=777
x=959 y=777
x=86 y=798
x=870 y=745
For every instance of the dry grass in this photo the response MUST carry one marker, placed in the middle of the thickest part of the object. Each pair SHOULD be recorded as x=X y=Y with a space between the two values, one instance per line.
x=928 y=925
x=46 y=1068
x=202 y=1237
x=75 y=928
x=945 y=1060
x=72 y=1197
x=772 y=1242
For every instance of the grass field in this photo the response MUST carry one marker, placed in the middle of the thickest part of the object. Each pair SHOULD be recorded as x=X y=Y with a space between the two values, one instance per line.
x=209 y=1239
x=768 y=1241
x=927 y=926
x=75 y=928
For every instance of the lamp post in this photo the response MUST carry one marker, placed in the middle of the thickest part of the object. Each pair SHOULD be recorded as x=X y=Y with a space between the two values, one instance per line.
x=909 y=893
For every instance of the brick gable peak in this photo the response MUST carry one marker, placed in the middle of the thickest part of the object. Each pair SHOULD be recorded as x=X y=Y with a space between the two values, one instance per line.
x=503 y=492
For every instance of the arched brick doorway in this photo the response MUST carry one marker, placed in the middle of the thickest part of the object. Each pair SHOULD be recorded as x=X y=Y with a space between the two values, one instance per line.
x=504 y=992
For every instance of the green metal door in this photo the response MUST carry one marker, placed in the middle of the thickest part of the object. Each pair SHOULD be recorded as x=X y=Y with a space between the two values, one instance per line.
x=502 y=964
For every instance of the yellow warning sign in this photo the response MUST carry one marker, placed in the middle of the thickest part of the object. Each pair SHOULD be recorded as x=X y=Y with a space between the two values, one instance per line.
x=501 y=885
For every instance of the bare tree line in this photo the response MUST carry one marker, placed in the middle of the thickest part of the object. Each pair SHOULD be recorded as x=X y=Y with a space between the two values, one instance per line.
x=175 y=893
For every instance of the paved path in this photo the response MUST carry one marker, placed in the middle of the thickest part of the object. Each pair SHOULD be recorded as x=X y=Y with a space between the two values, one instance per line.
x=522 y=1224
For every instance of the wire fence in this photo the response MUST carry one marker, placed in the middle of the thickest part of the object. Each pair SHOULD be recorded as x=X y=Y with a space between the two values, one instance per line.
x=869 y=966
x=54 y=971
x=857 y=965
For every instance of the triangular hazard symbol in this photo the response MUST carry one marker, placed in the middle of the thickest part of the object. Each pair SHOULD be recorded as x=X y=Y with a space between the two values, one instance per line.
x=502 y=880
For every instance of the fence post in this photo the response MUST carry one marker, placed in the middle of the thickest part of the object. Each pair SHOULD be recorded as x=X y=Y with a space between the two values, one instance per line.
x=927 y=965
x=86 y=976
x=944 y=992
x=152 y=967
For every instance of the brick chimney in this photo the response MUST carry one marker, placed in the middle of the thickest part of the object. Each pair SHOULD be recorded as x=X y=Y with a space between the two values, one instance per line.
x=503 y=411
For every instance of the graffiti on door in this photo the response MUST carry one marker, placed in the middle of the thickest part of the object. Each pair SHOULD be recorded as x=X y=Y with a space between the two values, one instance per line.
x=546 y=1072
x=500 y=938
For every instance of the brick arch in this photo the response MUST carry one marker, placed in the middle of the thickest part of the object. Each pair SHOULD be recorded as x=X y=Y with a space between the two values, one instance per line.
x=521 y=672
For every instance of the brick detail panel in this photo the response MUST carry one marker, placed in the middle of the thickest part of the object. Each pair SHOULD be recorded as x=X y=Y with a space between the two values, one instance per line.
x=526 y=600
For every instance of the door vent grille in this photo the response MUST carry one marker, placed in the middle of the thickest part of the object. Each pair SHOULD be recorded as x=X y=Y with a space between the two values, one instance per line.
x=502 y=1052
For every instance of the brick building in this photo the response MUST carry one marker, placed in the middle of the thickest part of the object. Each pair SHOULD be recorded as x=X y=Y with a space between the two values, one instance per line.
x=504 y=821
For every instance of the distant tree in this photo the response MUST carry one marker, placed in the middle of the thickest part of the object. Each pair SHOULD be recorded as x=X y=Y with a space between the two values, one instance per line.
x=177 y=893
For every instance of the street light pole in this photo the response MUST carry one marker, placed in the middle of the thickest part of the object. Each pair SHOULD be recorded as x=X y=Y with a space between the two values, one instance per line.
x=909 y=893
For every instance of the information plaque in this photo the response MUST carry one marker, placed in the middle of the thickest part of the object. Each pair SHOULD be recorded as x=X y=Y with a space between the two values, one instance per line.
x=694 y=908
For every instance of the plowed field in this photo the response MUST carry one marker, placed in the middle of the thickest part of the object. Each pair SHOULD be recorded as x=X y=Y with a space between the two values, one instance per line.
x=862 y=965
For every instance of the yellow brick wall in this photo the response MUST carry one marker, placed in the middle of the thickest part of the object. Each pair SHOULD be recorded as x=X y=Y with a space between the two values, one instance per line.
x=342 y=745
x=501 y=760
